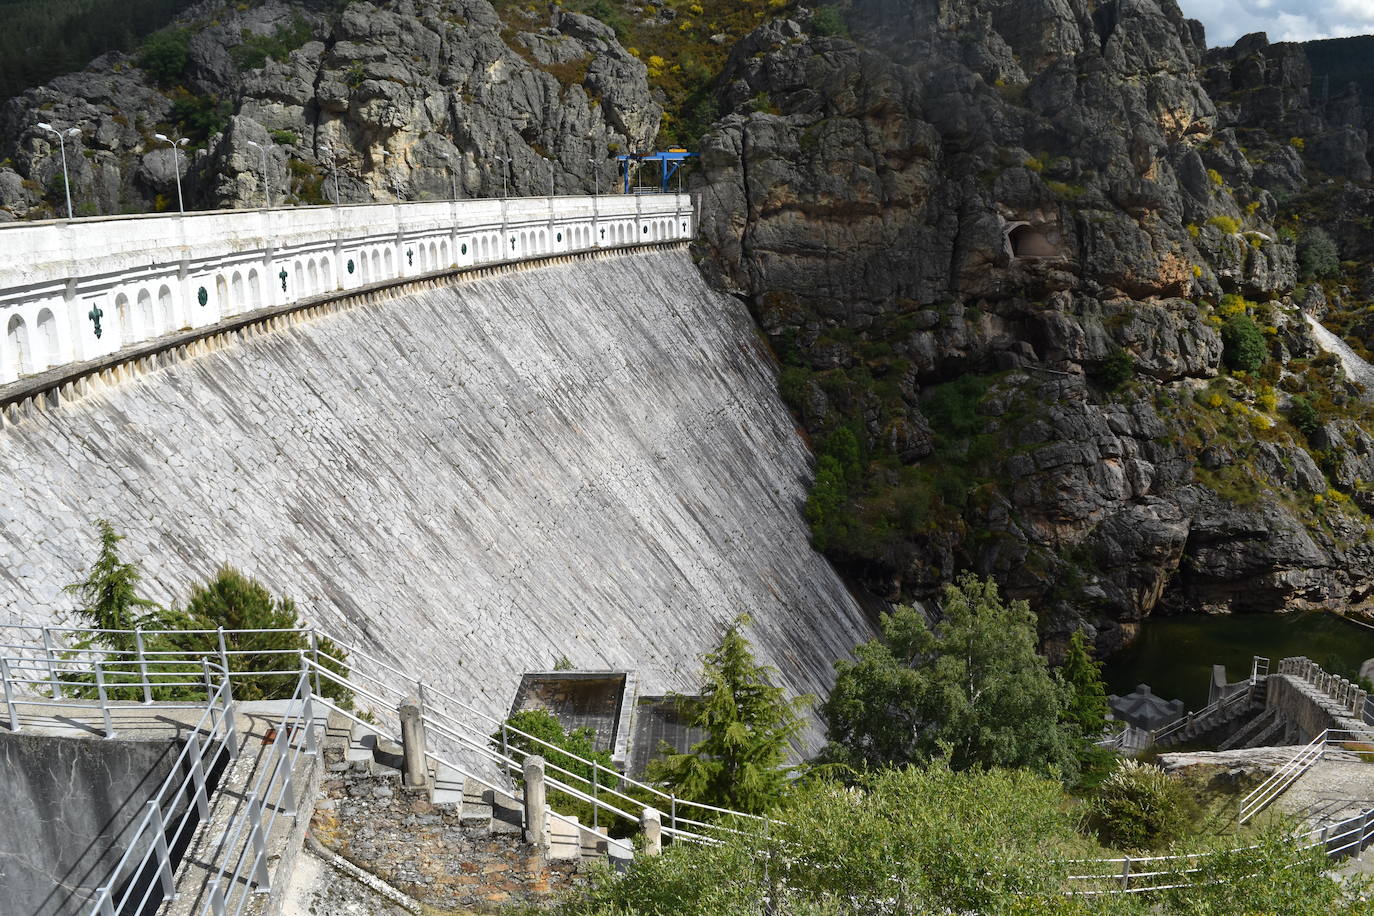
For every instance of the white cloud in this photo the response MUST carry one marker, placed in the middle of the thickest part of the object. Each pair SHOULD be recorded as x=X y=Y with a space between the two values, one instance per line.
x=1283 y=20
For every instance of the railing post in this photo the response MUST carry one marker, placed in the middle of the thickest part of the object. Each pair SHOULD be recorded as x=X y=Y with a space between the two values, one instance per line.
x=651 y=826
x=10 y=708
x=143 y=666
x=288 y=784
x=217 y=898
x=672 y=810
x=52 y=667
x=164 y=857
x=415 y=774
x=315 y=656
x=104 y=701
x=198 y=776
x=1125 y=873
x=205 y=678
x=223 y=652
x=262 y=881
x=106 y=903
x=312 y=741
x=1364 y=833
x=596 y=799
x=505 y=743
x=227 y=717
x=536 y=827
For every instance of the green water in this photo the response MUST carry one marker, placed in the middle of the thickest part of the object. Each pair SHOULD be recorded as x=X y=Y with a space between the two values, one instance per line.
x=1174 y=655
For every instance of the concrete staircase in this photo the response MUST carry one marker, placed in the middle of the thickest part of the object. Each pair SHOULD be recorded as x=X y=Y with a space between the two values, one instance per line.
x=1216 y=723
x=482 y=810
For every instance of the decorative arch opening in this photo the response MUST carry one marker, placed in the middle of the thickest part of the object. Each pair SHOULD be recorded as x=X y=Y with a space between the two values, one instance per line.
x=389 y=263
x=17 y=343
x=166 y=311
x=376 y=266
x=255 y=288
x=326 y=274
x=312 y=271
x=46 y=351
x=222 y=296
x=124 y=317
x=237 y=295
x=146 y=327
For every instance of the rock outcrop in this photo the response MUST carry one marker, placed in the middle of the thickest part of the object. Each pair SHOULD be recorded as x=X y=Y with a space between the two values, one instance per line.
x=402 y=100
x=1003 y=244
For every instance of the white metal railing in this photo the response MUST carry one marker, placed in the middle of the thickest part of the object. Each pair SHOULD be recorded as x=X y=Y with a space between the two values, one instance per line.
x=1223 y=704
x=1303 y=760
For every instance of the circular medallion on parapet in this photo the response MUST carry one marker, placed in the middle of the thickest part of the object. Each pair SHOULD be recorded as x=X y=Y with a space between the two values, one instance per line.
x=350 y=265
x=465 y=248
x=202 y=295
x=646 y=230
x=560 y=236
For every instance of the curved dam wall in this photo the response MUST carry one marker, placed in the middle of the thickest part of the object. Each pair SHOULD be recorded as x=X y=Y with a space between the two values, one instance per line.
x=586 y=458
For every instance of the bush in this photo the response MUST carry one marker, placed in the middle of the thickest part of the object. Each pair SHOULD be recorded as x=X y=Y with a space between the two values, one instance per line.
x=1139 y=807
x=578 y=743
x=255 y=50
x=1304 y=416
x=1242 y=343
x=828 y=21
x=1117 y=369
x=1228 y=224
x=163 y=56
x=1318 y=256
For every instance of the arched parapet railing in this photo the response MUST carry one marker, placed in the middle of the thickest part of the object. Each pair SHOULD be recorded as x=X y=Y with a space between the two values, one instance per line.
x=77 y=290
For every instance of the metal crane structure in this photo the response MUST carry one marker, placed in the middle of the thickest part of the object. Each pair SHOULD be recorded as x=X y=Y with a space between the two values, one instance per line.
x=670 y=163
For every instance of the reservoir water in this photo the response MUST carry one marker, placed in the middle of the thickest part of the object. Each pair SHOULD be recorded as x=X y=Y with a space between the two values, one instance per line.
x=1174 y=655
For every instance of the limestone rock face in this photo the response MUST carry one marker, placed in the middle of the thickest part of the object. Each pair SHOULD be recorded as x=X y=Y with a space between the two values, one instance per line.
x=1028 y=194
x=408 y=100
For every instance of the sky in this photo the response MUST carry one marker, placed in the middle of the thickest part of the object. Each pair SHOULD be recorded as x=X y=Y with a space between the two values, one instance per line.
x=1284 y=20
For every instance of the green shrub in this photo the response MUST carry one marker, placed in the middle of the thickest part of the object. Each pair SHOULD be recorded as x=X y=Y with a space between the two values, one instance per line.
x=1242 y=344
x=1318 y=256
x=1304 y=416
x=285 y=137
x=163 y=56
x=829 y=21
x=578 y=743
x=1139 y=807
x=255 y=50
x=1117 y=369
x=824 y=502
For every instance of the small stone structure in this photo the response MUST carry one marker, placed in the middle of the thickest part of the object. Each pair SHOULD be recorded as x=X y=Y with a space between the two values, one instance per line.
x=1142 y=709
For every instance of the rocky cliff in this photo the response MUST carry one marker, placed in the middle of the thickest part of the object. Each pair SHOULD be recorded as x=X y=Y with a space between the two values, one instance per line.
x=394 y=100
x=1032 y=270
x=1035 y=271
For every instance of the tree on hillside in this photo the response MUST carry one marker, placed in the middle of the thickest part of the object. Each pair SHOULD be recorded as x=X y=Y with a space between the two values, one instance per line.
x=973 y=689
x=742 y=761
x=1087 y=707
x=109 y=593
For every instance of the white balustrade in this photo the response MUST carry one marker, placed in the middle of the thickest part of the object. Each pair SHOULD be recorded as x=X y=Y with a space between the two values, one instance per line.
x=76 y=290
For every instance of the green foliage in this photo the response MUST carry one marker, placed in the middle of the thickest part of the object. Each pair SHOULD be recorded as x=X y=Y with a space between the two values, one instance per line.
x=256 y=50
x=1242 y=344
x=163 y=56
x=579 y=745
x=900 y=841
x=109 y=601
x=46 y=38
x=285 y=137
x=741 y=763
x=109 y=593
x=1304 y=416
x=829 y=21
x=974 y=690
x=1318 y=256
x=1117 y=369
x=235 y=602
x=200 y=117
x=824 y=502
x=952 y=408
x=1140 y=807
x=1086 y=712
x=1228 y=224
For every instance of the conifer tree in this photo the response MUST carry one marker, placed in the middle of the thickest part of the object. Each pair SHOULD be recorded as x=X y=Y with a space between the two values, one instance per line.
x=1087 y=709
x=742 y=761
x=109 y=593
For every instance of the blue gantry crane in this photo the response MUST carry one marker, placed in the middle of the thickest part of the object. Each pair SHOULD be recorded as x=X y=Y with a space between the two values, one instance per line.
x=669 y=163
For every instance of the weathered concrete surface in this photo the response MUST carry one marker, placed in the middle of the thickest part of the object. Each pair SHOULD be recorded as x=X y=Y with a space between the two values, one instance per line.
x=69 y=807
x=587 y=459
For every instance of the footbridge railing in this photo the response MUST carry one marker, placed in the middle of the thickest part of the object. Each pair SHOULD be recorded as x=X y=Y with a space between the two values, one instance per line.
x=78 y=290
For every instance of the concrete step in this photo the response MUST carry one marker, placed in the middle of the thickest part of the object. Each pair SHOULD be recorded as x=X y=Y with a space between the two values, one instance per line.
x=448 y=785
x=507 y=814
x=565 y=841
x=1266 y=738
x=1247 y=731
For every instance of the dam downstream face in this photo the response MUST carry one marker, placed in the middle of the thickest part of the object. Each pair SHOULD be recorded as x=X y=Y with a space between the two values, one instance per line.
x=586 y=459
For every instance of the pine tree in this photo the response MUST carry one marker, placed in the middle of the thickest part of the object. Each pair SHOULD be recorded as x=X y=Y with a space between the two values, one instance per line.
x=1087 y=709
x=742 y=761
x=109 y=593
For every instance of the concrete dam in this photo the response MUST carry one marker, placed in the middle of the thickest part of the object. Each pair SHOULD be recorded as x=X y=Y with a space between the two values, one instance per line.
x=583 y=457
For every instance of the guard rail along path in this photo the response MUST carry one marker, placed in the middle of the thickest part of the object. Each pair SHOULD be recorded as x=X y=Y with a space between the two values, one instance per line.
x=442 y=739
x=72 y=291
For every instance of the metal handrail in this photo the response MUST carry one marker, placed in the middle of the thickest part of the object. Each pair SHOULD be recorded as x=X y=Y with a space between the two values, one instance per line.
x=1303 y=760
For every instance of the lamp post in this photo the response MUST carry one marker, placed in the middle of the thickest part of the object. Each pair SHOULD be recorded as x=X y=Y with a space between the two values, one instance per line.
x=334 y=167
x=550 y=161
x=506 y=160
x=176 y=164
x=596 y=179
x=62 y=136
x=266 y=180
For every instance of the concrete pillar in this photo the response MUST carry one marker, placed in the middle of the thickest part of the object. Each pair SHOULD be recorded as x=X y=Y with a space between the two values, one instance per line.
x=536 y=817
x=414 y=773
x=651 y=825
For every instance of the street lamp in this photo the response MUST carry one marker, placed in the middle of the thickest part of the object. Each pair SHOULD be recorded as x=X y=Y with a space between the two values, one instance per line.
x=62 y=136
x=506 y=160
x=176 y=164
x=596 y=179
x=550 y=161
x=266 y=181
x=334 y=166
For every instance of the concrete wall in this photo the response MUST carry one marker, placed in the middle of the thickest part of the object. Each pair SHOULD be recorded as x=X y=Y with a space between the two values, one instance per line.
x=67 y=800
x=586 y=459
x=133 y=279
x=1306 y=710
